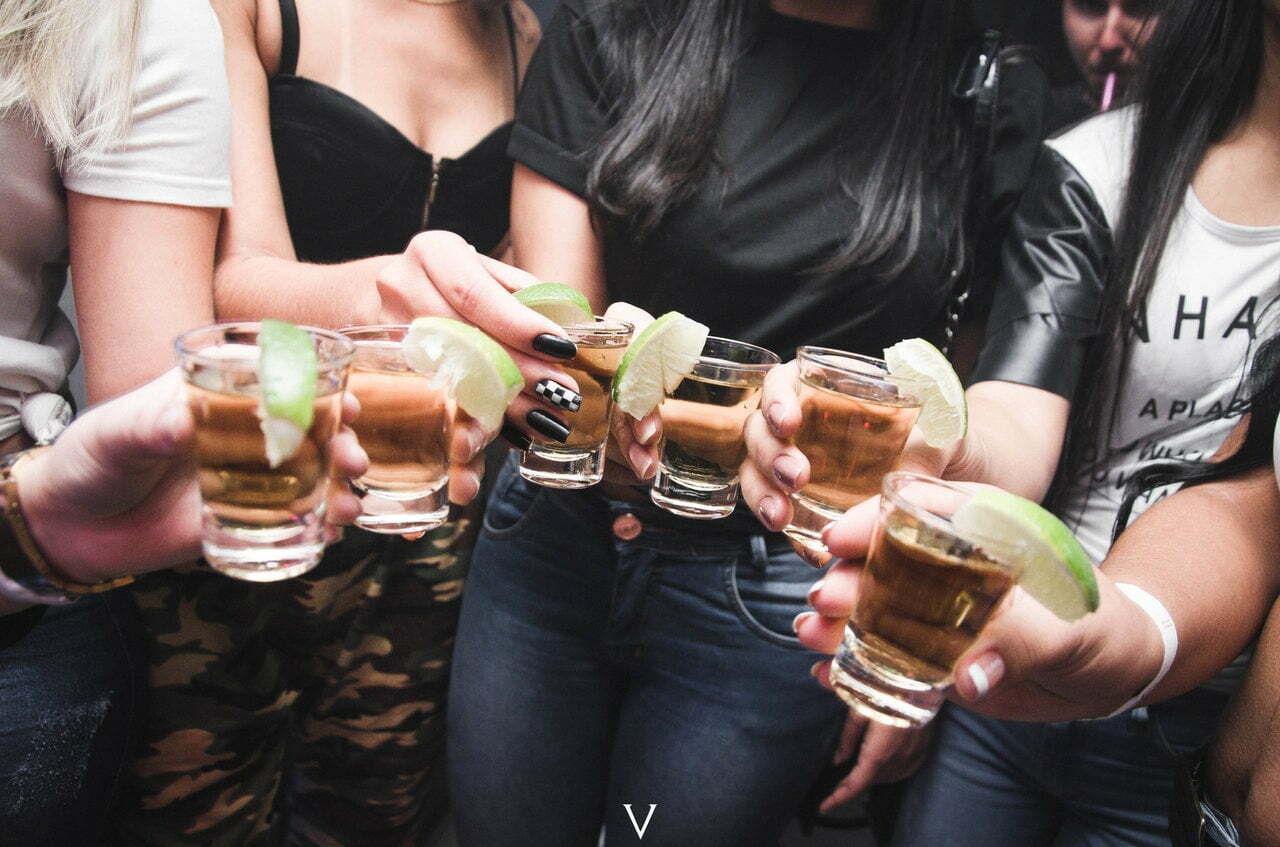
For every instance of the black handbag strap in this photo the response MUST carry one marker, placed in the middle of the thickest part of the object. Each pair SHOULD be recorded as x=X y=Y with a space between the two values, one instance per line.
x=979 y=85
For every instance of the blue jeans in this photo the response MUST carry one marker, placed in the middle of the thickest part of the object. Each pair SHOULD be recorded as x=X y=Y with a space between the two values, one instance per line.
x=992 y=783
x=69 y=694
x=593 y=673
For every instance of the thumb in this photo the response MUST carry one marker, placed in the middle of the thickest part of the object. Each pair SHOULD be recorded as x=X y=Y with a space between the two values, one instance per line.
x=135 y=429
x=1024 y=640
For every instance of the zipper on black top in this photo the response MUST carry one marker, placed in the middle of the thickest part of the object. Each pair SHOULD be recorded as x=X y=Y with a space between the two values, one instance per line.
x=436 y=165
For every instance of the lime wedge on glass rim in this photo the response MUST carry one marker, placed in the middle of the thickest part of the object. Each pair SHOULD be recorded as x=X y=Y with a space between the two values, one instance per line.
x=287 y=381
x=482 y=375
x=656 y=361
x=564 y=305
x=1056 y=572
x=944 y=415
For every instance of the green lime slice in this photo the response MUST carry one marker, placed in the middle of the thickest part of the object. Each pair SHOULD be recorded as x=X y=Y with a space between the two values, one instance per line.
x=287 y=379
x=944 y=415
x=1057 y=572
x=562 y=304
x=662 y=355
x=484 y=378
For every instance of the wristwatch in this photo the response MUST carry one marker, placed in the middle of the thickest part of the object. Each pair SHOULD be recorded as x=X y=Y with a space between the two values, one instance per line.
x=25 y=574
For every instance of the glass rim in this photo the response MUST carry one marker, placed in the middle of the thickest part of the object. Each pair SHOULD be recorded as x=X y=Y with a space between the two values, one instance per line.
x=1006 y=552
x=616 y=327
x=348 y=331
x=719 y=362
x=325 y=361
x=828 y=357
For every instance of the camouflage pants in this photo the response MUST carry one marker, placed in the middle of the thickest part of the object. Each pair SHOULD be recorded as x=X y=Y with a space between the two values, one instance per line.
x=309 y=711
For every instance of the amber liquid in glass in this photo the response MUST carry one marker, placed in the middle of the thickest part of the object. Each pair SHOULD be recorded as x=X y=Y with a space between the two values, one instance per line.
x=404 y=427
x=702 y=425
x=923 y=600
x=236 y=481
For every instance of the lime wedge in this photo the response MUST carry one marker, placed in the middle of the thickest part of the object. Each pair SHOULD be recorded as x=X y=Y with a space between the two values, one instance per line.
x=662 y=355
x=562 y=304
x=287 y=379
x=482 y=375
x=1057 y=572
x=944 y=416
x=634 y=315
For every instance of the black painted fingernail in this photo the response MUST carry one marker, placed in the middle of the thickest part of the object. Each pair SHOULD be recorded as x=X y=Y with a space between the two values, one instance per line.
x=554 y=345
x=515 y=437
x=558 y=395
x=548 y=425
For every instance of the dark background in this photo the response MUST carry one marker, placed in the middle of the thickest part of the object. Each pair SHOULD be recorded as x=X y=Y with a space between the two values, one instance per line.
x=1037 y=22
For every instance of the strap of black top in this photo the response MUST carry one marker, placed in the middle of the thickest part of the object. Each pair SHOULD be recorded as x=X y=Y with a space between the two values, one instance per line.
x=511 y=41
x=289 y=38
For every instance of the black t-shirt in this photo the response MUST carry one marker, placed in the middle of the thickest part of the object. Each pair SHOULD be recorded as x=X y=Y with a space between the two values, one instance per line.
x=741 y=255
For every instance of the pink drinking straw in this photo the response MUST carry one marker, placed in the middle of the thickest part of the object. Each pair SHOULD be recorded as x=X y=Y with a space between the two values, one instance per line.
x=1108 y=91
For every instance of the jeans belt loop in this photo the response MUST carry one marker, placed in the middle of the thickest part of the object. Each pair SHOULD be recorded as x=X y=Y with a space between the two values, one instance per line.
x=759 y=553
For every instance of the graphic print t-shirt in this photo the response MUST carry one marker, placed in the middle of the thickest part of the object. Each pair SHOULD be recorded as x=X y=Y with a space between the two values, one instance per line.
x=1210 y=307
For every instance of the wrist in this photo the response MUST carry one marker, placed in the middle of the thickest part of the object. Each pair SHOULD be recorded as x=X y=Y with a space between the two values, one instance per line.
x=1150 y=640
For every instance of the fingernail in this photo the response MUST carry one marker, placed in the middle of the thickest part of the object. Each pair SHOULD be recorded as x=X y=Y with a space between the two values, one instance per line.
x=647 y=431
x=554 y=345
x=547 y=425
x=773 y=415
x=558 y=395
x=985 y=673
x=475 y=443
x=813 y=669
x=770 y=509
x=515 y=437
x=817 y=586
x=787 y=470
x=641 y=461
x=795 y=622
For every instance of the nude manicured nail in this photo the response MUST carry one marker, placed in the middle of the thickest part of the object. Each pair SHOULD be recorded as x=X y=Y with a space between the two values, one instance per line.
x=985 y=674
x=796 y=621
x=787 y=471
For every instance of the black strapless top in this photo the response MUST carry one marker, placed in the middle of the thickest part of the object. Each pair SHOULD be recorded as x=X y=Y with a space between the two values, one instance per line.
x=354 y=186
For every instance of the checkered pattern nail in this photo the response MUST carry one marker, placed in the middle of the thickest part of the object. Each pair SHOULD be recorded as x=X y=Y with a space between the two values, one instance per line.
x=558 y=395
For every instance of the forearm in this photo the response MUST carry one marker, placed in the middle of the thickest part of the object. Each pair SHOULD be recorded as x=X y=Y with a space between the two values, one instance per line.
x=1207 y=554
x=253 y=287
x=1014 y=440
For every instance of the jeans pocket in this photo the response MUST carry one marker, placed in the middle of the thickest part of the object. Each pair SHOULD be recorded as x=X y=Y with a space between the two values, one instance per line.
x=765 y=604
x=511 y=504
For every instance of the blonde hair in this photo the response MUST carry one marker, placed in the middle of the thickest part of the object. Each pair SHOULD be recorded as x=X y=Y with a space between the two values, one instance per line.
x=45 y=50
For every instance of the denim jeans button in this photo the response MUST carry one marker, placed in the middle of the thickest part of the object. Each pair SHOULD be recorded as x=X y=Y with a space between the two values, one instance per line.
x=627 y=526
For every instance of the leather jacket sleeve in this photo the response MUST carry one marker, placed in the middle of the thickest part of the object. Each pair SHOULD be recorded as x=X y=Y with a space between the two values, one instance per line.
x=1054 y=273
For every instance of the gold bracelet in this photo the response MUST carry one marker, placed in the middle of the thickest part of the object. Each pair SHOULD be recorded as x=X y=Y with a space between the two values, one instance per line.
x=34 y=558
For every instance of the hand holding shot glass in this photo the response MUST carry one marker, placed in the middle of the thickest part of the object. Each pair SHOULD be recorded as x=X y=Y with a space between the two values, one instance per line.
x=405 y=423
x=703 y=417
x=941 y=562
x=267 y=400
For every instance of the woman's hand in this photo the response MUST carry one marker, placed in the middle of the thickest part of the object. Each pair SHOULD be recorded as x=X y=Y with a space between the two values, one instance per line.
x=774 y=467
x=441 y=274
x=117 y=494
x=1027 y=664
x=884 y=754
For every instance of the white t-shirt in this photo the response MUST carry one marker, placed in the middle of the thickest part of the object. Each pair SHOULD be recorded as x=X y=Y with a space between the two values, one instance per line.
x=176 y=151
x=1206 y=314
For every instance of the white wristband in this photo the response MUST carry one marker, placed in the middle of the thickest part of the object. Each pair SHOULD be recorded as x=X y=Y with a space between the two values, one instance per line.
x=1168 y=637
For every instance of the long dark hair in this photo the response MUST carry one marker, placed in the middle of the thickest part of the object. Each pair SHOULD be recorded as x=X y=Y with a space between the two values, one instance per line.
x=1201 y=74
x=671 y=63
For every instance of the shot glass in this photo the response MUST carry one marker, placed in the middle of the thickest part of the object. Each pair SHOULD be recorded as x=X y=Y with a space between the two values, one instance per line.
x=925 y=595
x=855 y=422
x=579 y=462
x=259 y=523
x=404 y=425
x=702 y=420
